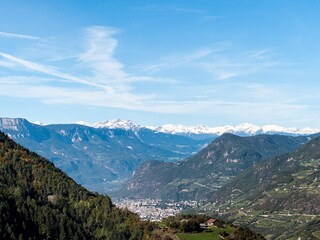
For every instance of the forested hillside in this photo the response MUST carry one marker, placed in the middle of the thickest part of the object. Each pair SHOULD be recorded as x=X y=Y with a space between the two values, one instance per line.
x=38 y=201
x=199 y=176
x=279 y=197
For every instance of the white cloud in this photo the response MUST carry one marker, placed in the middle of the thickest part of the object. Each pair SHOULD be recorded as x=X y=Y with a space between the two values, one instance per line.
x=18 y=36
x=104 y=82
x=99 y=59
x=177 y=60
x=35 y=88
x=260 y=54
x=99 y=55
x=7 y=64
x=58 y=95
x=111 y=85
x=223 y=62
x=225 y=70
x=231 y=64
x=48 y=70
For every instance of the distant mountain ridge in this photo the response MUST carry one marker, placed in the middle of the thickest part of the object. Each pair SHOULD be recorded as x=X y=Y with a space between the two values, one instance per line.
x=199 y=176
x=98 y=158
x=105 y=154
x=244 y=129
x=113 y=124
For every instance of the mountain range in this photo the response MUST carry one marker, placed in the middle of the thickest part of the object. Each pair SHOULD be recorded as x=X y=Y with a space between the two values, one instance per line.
x=244 y=129
x=201 y=131
x=103 y=155
x=279 y=196
x=199 y=176
x=39 y=201
x=270 y=182
x=99 y=158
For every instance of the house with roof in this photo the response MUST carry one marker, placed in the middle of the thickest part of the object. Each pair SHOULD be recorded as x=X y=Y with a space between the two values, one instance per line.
x=211 y=222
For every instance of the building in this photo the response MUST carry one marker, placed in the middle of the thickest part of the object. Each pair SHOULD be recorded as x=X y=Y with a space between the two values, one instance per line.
x=211 y=222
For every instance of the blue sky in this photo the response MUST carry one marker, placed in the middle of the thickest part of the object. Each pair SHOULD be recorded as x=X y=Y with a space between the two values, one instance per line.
x=156 y=62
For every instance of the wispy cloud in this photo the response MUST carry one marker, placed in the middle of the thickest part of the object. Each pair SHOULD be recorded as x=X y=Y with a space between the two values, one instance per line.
x=177 y=60
x=223 y=62
x=47 y=70
x=99 y=55
x=31 y=88
x=103 y=70
x=260 y=54
x=103 y=81
x=231 y=64
x=99 y=59
x=35 y=88
x=18 y=36
x=223 y=70
x=7 y=64
x=229 y=103
x=111 y=85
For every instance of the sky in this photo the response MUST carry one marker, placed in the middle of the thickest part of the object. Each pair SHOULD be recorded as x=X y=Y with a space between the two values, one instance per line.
x=207 y=62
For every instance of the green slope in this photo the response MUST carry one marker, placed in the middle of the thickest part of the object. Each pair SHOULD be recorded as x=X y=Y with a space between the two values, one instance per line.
x=187 y=227
x=38 y=201
x=281 y=194
x=199 y=176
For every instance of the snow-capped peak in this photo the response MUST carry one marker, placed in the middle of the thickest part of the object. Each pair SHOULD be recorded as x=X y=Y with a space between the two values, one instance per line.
x=117 y=123
x=39 y=123
x=179 y=129
x=244 y=129
x=112 y=124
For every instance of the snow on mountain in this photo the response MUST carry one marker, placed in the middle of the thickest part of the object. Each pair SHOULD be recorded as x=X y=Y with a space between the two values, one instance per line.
x=113 y=124
x=244 y=129
x=84 y=123
x=39 y=123
x=181 y=129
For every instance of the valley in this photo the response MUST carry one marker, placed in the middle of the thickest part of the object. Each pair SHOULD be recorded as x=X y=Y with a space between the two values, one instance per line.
x=39 y=201
x=277 y=196
x=155 y=210
x=159 y=120
x=269 y=183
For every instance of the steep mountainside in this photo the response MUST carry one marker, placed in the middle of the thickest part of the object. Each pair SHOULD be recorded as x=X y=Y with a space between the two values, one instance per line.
x=38 y=201
x=200 y=175
x=98 y=158
x=281 y=194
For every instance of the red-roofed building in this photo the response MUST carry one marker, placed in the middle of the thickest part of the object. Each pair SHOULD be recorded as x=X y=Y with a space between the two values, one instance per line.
x=211 y=222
